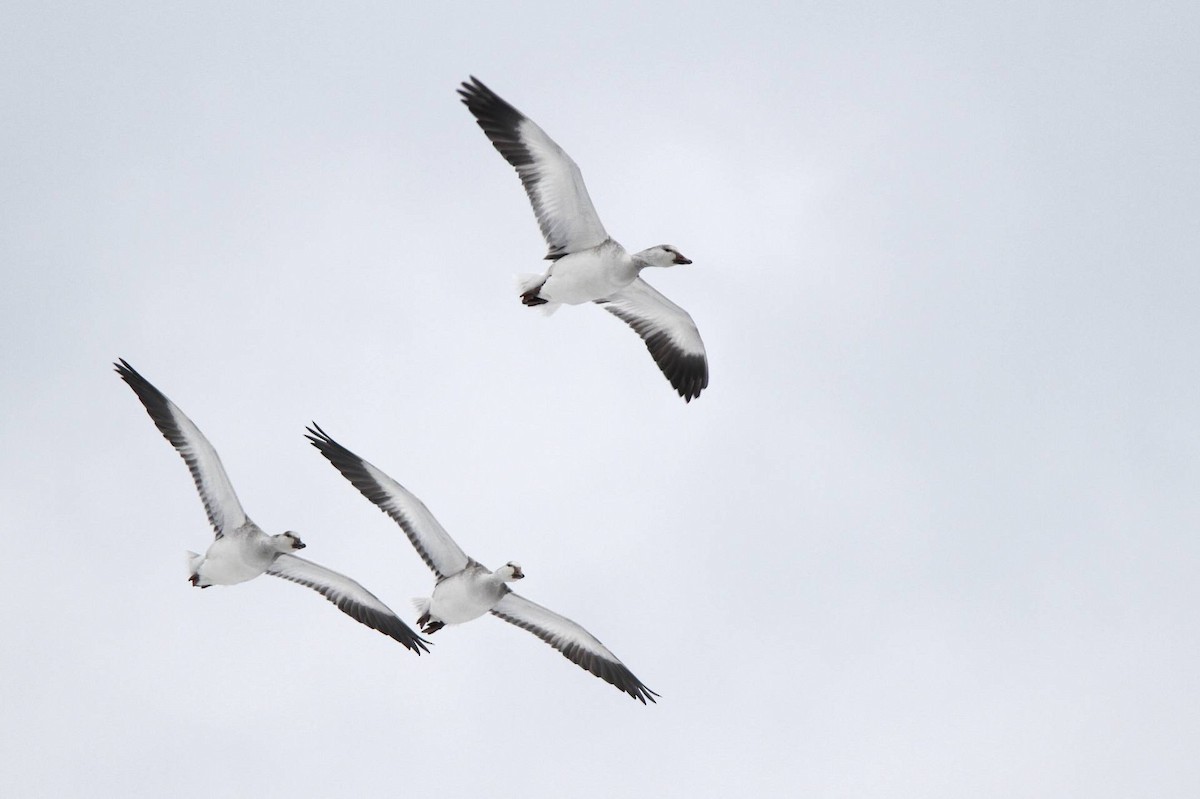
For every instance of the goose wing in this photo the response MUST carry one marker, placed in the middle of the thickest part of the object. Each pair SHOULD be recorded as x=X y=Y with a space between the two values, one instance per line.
x=220 y=502
x=432 y=542
x=669 y=333
x=564 y=210
x=575 y=643
x=351 y=598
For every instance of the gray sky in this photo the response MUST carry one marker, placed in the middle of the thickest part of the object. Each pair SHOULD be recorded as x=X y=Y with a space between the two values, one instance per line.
x=930 y=532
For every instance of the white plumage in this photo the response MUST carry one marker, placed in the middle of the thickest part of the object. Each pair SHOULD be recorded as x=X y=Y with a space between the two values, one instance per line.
x=241 y=551
x=588 y=266
x=465 y=589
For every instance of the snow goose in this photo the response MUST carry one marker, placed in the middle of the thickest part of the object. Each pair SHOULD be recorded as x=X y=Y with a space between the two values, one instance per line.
x=466 y=590
x=242 y=551
x=588 y=266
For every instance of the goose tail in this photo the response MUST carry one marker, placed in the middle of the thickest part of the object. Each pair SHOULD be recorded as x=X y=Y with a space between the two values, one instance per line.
x=193 y=563
x=529 y=285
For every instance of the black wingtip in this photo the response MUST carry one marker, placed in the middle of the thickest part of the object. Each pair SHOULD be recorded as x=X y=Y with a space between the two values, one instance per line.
x=391 y=626
x=151 y=397
x=687 y=373
x=397 y=630
x=692 y=390
x=314 y=433
x=417 y=644
x=630 y=685
x=122 y=367
x=472 y=88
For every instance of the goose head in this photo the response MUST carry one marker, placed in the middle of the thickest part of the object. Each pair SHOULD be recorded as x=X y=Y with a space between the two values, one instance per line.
x=510 y=572
x=287 y=542
x=663 y=255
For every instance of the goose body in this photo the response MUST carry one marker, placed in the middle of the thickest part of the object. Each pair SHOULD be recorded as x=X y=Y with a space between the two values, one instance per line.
x=463 y=596
x=241 y=550
x=588 y=265
x=584 y=276
x=465 y=589
x=233 y=559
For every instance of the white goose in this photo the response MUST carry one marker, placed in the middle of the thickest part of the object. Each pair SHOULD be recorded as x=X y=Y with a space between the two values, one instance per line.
x=588 y=265
x=466 y=590
x=242 y=551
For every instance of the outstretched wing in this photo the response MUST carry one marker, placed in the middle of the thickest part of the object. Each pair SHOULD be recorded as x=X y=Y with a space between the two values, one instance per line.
x=220 y=502
x=432 y=542
x=669 y=333
x=351 y=598
x=574 y=642
x=564 y=210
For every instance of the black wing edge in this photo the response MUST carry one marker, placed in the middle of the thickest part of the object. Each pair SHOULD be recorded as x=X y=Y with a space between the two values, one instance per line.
x=350 y=466
x=158 y=406
x=616 y=674
x=347 y=463
x=687 y=373
x=501 y=122
x=156 y=402
x=390 y=626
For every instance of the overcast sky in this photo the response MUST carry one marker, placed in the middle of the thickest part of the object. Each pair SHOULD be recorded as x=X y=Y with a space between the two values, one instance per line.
x=931 y=531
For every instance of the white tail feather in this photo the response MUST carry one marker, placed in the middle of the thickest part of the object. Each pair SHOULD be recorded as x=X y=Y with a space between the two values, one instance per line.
x=193 y=562
x=421 y=603
x=528 y=280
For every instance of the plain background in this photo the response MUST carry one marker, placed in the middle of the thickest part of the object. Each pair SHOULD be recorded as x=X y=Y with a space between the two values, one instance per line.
x=931 y=531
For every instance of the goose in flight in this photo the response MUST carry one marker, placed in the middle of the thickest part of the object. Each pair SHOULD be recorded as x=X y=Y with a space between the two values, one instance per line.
x=588 y=266
x=466 y=590
x=242 y=551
